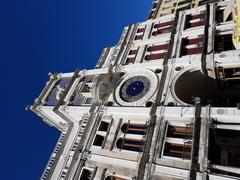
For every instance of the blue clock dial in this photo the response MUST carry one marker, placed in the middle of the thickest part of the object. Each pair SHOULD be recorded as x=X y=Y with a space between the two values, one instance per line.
x=134 y=88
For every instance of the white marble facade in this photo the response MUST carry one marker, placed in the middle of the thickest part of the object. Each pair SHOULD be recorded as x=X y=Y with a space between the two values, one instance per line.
x=164 y=103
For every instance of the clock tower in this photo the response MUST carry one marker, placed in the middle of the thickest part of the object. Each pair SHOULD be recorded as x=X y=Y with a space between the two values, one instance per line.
x=163 y=104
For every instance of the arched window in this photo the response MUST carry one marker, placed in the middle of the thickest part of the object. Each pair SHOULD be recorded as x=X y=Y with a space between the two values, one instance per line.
x=130 y=144
x=133 y=128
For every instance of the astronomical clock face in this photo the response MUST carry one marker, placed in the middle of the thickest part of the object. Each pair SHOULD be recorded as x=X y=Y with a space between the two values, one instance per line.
x=136 y=88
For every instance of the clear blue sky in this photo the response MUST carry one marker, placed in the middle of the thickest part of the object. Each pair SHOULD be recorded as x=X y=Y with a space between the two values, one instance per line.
x=41 y=36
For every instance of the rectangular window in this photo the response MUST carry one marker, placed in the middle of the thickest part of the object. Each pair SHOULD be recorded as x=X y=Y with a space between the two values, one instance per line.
x=88 y=101
x=177 y=150
x=51 y=100
x=154 y=5
x=223 y=43
x=140 y=30
x=133 y=52
x=223 y=16
x=156 y=52
x=86 y=89
x=98 y=141
x=86 y=174
x=130 y=60
x=164 y=24
x=219 y=16
x=140 y=33
x=64 y=82
x=134 y=128
x=195 y=20
x=162 y=28
x=131 y=56
x=76 y=100
x=228 y=73
x=184 y=7
x=138 y=37
x=191 y=46
x=202 y=2
x=178 y=141
x=89 y=79
x=158 y=56
x=130 y=144
x=116 y=177
x=184 y=132
x=151 y=14
x=103 y=126
x=157 y=47
x=224 y=148
x=184 y=2
x=166 y=8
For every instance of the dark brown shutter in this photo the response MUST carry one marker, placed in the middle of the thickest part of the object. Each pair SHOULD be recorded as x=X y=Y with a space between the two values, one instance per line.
x=151 y=57
x=157 y=47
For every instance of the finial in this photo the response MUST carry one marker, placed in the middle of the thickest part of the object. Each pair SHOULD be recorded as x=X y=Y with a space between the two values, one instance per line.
x=27 y=107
